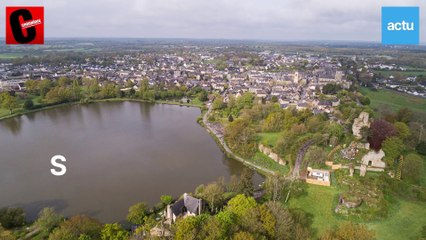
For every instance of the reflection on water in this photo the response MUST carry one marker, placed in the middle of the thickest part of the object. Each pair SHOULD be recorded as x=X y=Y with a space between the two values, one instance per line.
x=12 y=124
x=118 y=153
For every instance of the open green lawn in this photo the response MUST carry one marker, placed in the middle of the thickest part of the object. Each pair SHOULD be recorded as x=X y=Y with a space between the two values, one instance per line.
x=395 y=101
x=320 y=202
x=408 y=73
x=269 y=139
x=404 y=223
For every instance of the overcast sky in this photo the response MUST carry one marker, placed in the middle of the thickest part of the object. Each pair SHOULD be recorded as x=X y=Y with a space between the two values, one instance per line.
x=222 y=19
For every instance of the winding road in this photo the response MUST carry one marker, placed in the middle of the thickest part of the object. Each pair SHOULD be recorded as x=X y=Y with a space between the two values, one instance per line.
x=295 y=174
x=299 y=159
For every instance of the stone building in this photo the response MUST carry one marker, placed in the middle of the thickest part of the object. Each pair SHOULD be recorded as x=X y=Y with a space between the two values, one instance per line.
x=359 y=123
x=187 y=206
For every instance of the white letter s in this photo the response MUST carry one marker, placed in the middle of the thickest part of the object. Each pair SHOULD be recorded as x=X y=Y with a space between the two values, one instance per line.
x=63 y=168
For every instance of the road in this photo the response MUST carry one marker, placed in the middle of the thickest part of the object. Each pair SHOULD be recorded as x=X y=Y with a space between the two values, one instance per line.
x=299 y=159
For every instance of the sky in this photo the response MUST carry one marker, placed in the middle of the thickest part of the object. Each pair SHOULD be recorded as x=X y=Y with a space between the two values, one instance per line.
x=287 y=20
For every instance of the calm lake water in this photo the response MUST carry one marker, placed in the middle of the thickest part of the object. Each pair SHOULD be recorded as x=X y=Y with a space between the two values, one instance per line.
x=117 y=153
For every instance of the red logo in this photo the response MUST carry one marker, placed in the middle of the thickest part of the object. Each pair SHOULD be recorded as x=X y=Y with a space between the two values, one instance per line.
x=24 y=25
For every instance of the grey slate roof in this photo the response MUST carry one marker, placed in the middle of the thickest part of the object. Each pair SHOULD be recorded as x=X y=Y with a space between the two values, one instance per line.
x=190 y=203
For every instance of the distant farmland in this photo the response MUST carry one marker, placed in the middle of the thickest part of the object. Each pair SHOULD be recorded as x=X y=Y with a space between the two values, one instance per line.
x=392 y=100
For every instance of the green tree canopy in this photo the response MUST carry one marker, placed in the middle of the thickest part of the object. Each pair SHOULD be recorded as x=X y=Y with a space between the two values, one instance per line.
x=114 y=232
x=12 y=217
x=48 y=220
x=349 y=231
x=240 y=205
x=137 y=213
x=76 y=226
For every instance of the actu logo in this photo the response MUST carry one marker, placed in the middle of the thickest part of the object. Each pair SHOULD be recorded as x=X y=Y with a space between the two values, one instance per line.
x=400 y=25
x=24 y=25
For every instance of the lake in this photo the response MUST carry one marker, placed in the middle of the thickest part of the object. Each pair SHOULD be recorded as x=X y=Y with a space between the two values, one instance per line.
x=118 y=154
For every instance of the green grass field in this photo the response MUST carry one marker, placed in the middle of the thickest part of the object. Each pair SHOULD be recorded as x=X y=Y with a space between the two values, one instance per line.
x=408 y=73
x=405 y=222
x=269 y=139
x=261 y=159
x=394 y=101
x=320 y=202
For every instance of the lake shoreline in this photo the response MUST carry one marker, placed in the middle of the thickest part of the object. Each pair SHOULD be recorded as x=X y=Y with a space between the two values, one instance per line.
x=220 y=143
x=24 y=112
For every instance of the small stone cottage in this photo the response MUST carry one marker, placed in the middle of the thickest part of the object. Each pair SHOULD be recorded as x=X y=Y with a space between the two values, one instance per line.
x=187 y=206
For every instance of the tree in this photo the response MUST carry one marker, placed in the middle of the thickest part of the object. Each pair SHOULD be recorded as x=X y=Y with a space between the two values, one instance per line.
x=284 y=223
x=380 y=130
x=32 y=87
x=244 y=101
x=349 y=231
x=365 y=101
x=259 y=221
x=421 y=148
x=109 y=90
x=77 y=226
x=233 y=184
x=84 y=237
x=59 y=95
x=76 y=89
x=241 y=137
x=393 y=148
x=412 y=168
x=92 y=87
x=188 y=228
x=274 y=186
x=166 y=199
x=404 y=115
x=114 y=232
x=63 y=81
x=243 y=236
x=44 y=87
x=203 y=96
x=12 y=217
x=402 y=130
x=331 y=88
x=213 y=195
x=273 y=123
x=240 y=205
x=137 y=213
x=315 y=156
x=227 y=221
x=48 y=220
x=9 y=102
x=218 y=103
x=284 y=143
x=245 y=185
x=6 y=235
x=28 y=104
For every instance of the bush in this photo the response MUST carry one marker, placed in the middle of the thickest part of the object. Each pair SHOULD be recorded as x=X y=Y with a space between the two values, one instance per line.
x=12 y=217
x=421 y=148
x=28 y=104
